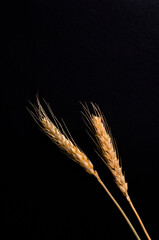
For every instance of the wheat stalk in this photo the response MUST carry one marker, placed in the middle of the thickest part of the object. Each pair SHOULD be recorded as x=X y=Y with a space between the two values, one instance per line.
x=71 y=149
x=109 y=154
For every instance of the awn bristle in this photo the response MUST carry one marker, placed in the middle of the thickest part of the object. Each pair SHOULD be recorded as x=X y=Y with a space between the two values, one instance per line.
x=109 y=152
x=69 y=147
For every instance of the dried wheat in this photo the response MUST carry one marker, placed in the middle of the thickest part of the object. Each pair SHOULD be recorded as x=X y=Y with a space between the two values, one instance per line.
x=62 y=140
x=72 y=150
x=109 y=154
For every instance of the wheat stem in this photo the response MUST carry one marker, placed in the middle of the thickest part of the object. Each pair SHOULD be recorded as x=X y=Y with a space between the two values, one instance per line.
x=117 y=205
x=139 y=219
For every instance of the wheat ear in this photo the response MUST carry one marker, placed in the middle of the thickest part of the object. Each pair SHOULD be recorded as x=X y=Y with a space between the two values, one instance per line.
x=71 y=149
x=61 y=139
x=109 y=155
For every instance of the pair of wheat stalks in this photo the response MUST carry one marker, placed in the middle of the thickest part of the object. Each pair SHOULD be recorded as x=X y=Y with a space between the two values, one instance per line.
x=105 y=143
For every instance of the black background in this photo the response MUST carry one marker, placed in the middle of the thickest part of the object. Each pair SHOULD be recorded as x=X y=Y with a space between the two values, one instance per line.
x=104 y=51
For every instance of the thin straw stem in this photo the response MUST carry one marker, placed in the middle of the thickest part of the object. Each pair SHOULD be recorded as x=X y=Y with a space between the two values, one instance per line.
x=139 y=219
x=117 y=205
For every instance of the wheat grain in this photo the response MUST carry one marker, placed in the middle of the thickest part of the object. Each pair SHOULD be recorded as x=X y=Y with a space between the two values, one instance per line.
x=62 y=140
x=110 y=155
x=71 y=149
x=106 y=146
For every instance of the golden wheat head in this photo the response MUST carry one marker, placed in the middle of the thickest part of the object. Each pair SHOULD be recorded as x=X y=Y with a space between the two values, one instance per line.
x=107 y=146
x=60 y=138
x=55 y=131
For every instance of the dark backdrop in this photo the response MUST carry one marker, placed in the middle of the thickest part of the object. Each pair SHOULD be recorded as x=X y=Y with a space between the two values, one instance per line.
x=104 y=51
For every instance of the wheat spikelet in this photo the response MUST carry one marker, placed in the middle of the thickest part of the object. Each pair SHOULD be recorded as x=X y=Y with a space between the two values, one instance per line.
x=107 y=147
x=109 y=154
x=61 y=139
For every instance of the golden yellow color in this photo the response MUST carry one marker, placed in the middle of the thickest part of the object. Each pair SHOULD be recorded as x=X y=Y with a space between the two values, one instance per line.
x=109 y=155
x=59 y=137
x=63 y=141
